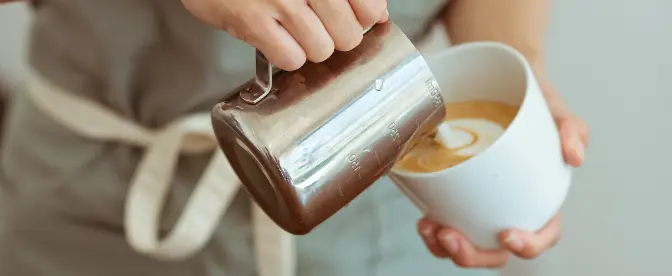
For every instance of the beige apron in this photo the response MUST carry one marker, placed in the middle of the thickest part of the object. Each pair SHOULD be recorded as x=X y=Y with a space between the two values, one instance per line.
x=151 y=180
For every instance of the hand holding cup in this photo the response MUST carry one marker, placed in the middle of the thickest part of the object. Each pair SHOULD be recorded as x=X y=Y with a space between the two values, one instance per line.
x=505 y=197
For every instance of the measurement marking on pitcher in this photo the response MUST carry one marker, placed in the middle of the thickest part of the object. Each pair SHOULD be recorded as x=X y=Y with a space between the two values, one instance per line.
x=355 y=164
x=434 y=92
x=393 y=131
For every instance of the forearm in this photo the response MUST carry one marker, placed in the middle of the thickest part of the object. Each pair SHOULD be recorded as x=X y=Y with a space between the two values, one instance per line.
x=518 y=23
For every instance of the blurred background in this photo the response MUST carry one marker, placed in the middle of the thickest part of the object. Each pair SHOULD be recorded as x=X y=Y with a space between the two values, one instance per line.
x=14 y=23
x=612 y=60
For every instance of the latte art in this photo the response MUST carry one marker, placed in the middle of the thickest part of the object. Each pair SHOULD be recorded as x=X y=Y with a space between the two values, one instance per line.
x=469 y=129
x=468 y=137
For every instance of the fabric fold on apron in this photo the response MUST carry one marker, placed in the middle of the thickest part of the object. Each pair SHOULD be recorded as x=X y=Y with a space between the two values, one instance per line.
x=151 y=181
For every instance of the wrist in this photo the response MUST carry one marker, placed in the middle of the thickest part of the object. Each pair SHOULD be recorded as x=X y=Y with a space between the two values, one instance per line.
x=554 y=100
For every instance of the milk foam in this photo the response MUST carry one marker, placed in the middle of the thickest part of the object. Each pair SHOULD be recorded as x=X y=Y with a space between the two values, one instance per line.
x=468 y=137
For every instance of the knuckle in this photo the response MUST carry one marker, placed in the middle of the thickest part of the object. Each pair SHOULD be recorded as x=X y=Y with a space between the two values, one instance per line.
x=285 y=7
x=248 y=17
x=221 y=23
x=249 y=35
x=331 y=3
x=235 y=34
x=238 y=23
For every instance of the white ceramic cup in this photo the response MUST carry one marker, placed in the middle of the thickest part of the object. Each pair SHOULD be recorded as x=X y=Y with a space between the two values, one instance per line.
x=521 y=180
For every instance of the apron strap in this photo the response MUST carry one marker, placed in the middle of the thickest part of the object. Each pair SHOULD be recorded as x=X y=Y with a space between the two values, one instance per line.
x=151 y=181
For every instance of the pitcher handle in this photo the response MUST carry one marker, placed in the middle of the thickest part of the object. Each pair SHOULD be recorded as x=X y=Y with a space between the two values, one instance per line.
x=264 y=74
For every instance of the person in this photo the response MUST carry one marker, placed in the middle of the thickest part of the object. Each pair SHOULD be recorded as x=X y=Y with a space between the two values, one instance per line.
x=151 y=62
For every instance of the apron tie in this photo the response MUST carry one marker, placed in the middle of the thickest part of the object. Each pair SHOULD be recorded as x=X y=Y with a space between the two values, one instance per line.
x=151 y=181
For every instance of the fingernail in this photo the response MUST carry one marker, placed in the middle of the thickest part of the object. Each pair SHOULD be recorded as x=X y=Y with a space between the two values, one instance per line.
x=426 y=230
x=450 y=242
x=514 y=242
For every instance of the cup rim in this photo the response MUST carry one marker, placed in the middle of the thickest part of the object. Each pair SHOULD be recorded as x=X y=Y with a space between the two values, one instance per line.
x=468 y=47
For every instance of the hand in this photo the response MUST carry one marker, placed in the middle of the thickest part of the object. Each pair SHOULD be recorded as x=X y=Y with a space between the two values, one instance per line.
x=290 y=31
x=445 y=242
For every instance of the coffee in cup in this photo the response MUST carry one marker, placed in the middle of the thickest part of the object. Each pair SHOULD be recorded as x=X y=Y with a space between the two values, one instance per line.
x=472 y=127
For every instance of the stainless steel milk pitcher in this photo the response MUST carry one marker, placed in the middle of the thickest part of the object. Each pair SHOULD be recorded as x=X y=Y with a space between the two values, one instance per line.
x=305 y=143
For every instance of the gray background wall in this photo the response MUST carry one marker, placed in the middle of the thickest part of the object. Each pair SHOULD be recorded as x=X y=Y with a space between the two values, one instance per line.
x=612 y=59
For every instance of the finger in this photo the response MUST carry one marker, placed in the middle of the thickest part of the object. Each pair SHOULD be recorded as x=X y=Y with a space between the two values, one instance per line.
x=307 y=29
x=428 y=229
x=464 y=254
x=573 y=142
x=386 y=17
x=530 y=245
x=340 y=22
x=276 y=43
x=369 y=11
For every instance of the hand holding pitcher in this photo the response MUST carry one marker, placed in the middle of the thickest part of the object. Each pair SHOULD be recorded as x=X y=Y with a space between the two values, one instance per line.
x=291 y=32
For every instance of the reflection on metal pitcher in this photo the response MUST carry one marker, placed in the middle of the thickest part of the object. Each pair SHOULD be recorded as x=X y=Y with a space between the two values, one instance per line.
x=305 y=143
